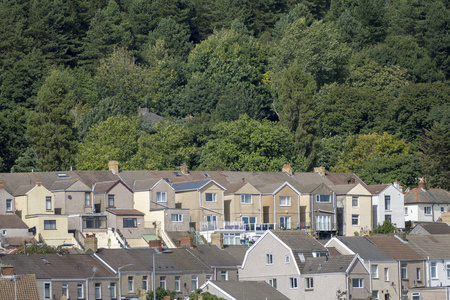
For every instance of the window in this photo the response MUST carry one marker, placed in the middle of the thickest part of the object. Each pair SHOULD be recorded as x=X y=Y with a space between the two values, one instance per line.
x=406 y=210
x=8 y=204
x=194 y=282
x=48 y=203
x=287 y=259
x=323 y=223
x=355 y=220
x=211 y=221
x=386 y=274
x=112 y=290
x=65 y=290
x=80 y=291
x=355 y=202
x=129 y=222
x=293 y=284
x=388 y=217
x=98 y=291
x=87 y=199
x=442 y=209
x=433 y=270
x=110 y=200
x=269 y=259
x=418 y=274
x=246 y=199
x=285 y=222
x=309 y=283
x=130 y=283
x=273 y=282
x=387 y=202
x=94 y=222
x=177 y=217
x=285 y=201
x=374 y=271
x=375 y=295
x=161 y=197
x=448 y=271
x=208 y=277
x=403 y=271
x=49 y=224
x=427 y=210
x=178 y=284
x=415 y=296
x=211 y=197
x=249 y=222
x=162 y=282
x=223 y=275
x=145 y=282
x=323 y=198
x=4 y=232
x=47 y=290
x=357 y=283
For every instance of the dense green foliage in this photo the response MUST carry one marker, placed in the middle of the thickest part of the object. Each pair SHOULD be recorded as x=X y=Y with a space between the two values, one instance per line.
x=355 y=86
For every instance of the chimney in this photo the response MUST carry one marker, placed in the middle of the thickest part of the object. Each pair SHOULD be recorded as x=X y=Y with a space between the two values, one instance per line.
x=7 y=270
x=422 y=183
x=1 y=185
x=187 y=242
x=113 y=165
x=184 y=169
x=90 y=242
x=243 y=179
x=38 y=182
x=155 y=244
x=397 y=184
x=287 y=169
x=320 y=170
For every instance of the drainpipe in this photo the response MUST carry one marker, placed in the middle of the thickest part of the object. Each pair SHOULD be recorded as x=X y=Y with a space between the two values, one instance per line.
x=260 y=209
x=298 y=211
x=432 y=211
x=274 y=212
x=87 y=288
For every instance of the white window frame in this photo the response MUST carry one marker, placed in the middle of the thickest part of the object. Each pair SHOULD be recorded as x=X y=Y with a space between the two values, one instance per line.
x=387 y=203
x=448 y=270
x=285 y=200
x=9 y=206
x=374 y=271
x=161 y=197
x=287 y=259
x=425 y=209
x=355 y=217
x=246 y=199
x=130 y=283
x=98 y=287
x=208 y=277
x=355 y=199
x=145 y=283
x=163 y=282
x=113 y=290
x=269 y=259
x=359 y=283
x=178 y=283
x=433 y=270
x=418 y=274
x=404 y=271
x=111 y=200
x=293 y=283
x=286 y=221
x=224 y=275
x=48 y=203
x=386 y=274
x=213 y=197
x=406 y=210
x=309 y=283
x=442 y=209
x=87 y=199
x=65 y=290
x=323 y=222
x=49 y=224
x=178 y=218
x=80 y=288
x=47 y=290
x=272 y=282
x=319 y=198
x=375 y=295
x=194 y=282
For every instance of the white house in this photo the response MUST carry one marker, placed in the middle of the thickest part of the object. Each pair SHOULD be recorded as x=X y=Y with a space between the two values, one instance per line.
x=388 y=203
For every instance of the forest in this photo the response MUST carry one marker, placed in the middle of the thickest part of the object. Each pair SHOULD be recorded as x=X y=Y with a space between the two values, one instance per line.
x=351 y=85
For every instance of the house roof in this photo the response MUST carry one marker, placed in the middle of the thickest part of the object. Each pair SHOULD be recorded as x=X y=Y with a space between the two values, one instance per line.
x=62 y=184
x=105 y=186
x=23 y=264
x=212 y=255
x=145 y=184
x=434 y=228
x=299 y=240
x=22 y=190
x=330 y=264
x=419 y=195
x=365 y=248
x=395 y=248
x=25 y=286
x=344 y=178
x=125 y=212
x=432 y=246
x=191 y=185
x=18 y=241
x=343 y=189
x=117 y=258
x=12 y=221
x=246 y=290
x=237 y=251
x=376 y=189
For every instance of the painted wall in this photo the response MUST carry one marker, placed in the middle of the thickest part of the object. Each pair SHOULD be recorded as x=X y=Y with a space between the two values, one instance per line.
x=4 y=195
x=72 y=200
x=292 y=211
x=53 y=237
x=397 y=207
x=363 y=210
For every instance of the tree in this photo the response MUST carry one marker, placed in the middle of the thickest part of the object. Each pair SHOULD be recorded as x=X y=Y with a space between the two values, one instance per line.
x=51 y=131
x=247 y=145
x=435 y=148
x=161 y=293
x=385 y=228
x=27 y=162
x=113 y=139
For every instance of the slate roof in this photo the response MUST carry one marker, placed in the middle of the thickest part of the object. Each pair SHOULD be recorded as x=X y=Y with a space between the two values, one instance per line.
x=367 y=250
x=237 y=251
x=434 y=228
x=104 y=187
x=212 y=255
x=247 y=290
x=342 y=178
x=25 y=285
x=125 y=212
x=342 y=189
x=376 y=189
x=145 y=184
x=62 y=184
x=22 y=190
x=418 y=195
x=23 y=264
x=299 y=240
x=190 y=186
x=12 y=221
x=431 y=246
x=117 y=258
x=395 y=248
x=330 y=264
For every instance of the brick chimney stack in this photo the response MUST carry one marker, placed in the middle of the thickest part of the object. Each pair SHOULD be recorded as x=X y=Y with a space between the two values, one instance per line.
x=1 y=185
x=7 y=270
x=287 y=169
x=422 y=183
x=38 y=182
x=113 y=165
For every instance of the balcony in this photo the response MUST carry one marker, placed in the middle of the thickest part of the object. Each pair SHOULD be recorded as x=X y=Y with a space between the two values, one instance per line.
x=250 y=227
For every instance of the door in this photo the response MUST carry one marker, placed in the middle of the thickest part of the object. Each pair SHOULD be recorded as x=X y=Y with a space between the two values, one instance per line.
x=266 y=214
x=211 y=222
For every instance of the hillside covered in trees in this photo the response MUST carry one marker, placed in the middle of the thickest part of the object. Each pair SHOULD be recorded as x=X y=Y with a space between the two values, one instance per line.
x=351 y=85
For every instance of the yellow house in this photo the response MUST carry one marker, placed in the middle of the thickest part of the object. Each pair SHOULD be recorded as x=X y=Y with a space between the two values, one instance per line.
x=205 y=200
x=354 y=202
x=33 y=199
x=284 y=203
x=243 y=203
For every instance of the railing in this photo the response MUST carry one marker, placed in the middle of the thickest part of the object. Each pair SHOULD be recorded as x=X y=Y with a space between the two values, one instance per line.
x=253 y=227
x=122 y=240
x=198 y=239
